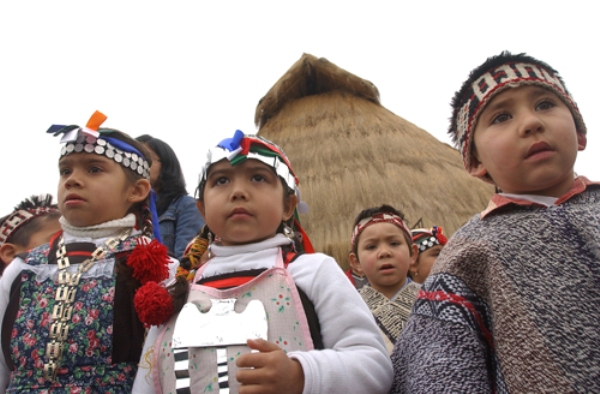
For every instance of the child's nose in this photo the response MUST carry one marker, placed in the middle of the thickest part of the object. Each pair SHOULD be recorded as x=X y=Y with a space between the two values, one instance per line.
x=238 y=191
x=530 y=123
x=73 y=179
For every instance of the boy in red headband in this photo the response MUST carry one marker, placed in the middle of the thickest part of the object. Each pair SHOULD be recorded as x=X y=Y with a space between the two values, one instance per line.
x=383 y=249
x=511 y=304
x=31 y=224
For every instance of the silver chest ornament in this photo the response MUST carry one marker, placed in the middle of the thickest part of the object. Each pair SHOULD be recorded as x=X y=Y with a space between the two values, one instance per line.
x=219 y=327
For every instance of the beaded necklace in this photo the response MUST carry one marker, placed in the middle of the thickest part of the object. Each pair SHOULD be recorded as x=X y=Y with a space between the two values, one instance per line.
x=65 y=295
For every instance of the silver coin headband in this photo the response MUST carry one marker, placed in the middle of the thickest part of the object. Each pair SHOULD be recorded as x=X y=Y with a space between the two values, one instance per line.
x=89 y=140
x=101 y=146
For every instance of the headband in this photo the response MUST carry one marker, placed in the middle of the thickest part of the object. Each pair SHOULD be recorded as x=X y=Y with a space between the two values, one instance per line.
x=240 y=148
x=491 y=78
x=378 y=218
x=89 y=139
x=19 y=218
x=427 y=238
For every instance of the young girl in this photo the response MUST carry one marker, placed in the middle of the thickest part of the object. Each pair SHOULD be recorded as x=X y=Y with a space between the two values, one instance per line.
x=320 y=336
x=66 y=309
x=430 y=242
x=178 y=215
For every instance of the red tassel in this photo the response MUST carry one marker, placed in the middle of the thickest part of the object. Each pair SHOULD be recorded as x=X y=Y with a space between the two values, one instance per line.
x=153 y=304
x=149 y=261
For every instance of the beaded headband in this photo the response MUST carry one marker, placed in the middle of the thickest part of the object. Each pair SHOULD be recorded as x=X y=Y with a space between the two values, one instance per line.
x=494 y=76
x=426 y=238
x=378 y=218
x=90 y=139
x=240 y=147
x=19 y=218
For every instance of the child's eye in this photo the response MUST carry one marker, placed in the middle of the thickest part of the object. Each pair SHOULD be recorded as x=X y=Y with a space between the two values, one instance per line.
x=95 y=170
x=394 y=243
x=544 y=105
x=370 y=247
x=64 y=171
x=258 y=178
x=221 y=181
x=500 y=118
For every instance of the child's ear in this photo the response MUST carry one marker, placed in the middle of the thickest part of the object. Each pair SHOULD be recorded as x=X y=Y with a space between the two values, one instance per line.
x=477 y=169
x=139 y=191
x=581 y=141
x=354 y=263
x=8 y=252
x=288 y=206
x=414 y=255
x=201 y=207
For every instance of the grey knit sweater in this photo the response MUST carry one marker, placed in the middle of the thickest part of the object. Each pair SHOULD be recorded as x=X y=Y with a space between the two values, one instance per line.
x=512 y=305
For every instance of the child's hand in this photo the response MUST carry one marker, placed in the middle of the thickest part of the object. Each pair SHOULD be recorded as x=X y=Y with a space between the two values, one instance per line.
x=274 y=372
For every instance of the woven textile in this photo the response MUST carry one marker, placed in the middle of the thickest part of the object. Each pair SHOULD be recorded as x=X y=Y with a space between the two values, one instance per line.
x=511 y=305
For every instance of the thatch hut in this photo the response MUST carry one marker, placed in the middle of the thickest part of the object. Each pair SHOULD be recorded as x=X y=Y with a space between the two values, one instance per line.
x=351 y=153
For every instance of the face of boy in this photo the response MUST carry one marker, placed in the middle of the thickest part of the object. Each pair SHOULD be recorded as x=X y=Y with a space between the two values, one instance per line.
x=384 y=256
x=94 y=189
x=244 y=204
x=526 y=141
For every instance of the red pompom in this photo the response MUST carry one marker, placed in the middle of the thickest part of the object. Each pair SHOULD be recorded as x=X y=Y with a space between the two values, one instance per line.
x=153 y=304
x=150 y=261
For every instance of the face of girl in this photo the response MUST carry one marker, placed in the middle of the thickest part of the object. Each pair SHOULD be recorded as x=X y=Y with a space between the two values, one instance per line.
x=244 y=204
x=425 y=262
x=94 y=189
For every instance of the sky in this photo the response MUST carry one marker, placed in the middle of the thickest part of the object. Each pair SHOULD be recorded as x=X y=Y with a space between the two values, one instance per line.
x=192 y=72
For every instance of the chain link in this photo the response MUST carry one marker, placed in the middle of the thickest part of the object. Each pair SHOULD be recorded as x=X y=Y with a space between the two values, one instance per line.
x=65 y=296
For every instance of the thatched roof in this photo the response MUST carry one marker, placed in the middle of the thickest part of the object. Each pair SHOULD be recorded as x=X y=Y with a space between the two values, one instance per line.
x=350 y=153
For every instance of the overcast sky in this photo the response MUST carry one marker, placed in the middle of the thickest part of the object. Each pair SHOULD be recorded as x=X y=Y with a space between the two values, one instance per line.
x=192 y=72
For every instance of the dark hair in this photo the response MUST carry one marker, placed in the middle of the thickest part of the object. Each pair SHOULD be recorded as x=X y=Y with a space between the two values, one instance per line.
x=170 y=183
x=140 y=209
x=23 y=234
x=384 y=208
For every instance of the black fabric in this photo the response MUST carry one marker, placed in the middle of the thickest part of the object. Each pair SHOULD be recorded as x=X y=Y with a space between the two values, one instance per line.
x=86 y=247
x=10 y=315
x=128 y=330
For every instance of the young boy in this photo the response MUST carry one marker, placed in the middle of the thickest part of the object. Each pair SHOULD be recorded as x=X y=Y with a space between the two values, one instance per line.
x=512 y=302
x=31 y=224
x=383 y=250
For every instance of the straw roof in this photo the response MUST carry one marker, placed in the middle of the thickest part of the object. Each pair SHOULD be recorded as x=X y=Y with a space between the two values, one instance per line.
x=350 y=153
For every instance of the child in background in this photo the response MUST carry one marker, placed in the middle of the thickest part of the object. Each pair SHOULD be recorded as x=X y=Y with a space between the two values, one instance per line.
x=67 y=309
x=321 y=336
x=511 y=304
x=430 y=242
x=383 y=248
x=31 y=224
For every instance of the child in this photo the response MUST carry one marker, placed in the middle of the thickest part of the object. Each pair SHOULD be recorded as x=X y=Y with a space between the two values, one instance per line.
x=31 y=224
x=430 y=243
x=321 y=336
x=383 y=249
x=512 y=302
x=68 y=321
x=178 y=216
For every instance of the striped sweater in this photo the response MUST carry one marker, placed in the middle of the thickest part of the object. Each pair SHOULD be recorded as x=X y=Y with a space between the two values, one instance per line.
x=512 y=304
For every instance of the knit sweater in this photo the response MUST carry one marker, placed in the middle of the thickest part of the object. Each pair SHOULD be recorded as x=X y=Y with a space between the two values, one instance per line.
x=511 y=304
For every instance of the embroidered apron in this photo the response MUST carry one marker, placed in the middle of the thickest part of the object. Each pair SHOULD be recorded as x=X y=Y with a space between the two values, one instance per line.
x=287 y=328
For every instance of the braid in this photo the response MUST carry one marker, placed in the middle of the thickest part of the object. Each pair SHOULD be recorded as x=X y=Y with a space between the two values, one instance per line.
x=146 y=220
x=188 y=265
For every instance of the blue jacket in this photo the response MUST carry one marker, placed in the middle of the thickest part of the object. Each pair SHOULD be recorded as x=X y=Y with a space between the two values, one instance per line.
x=179 y=224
